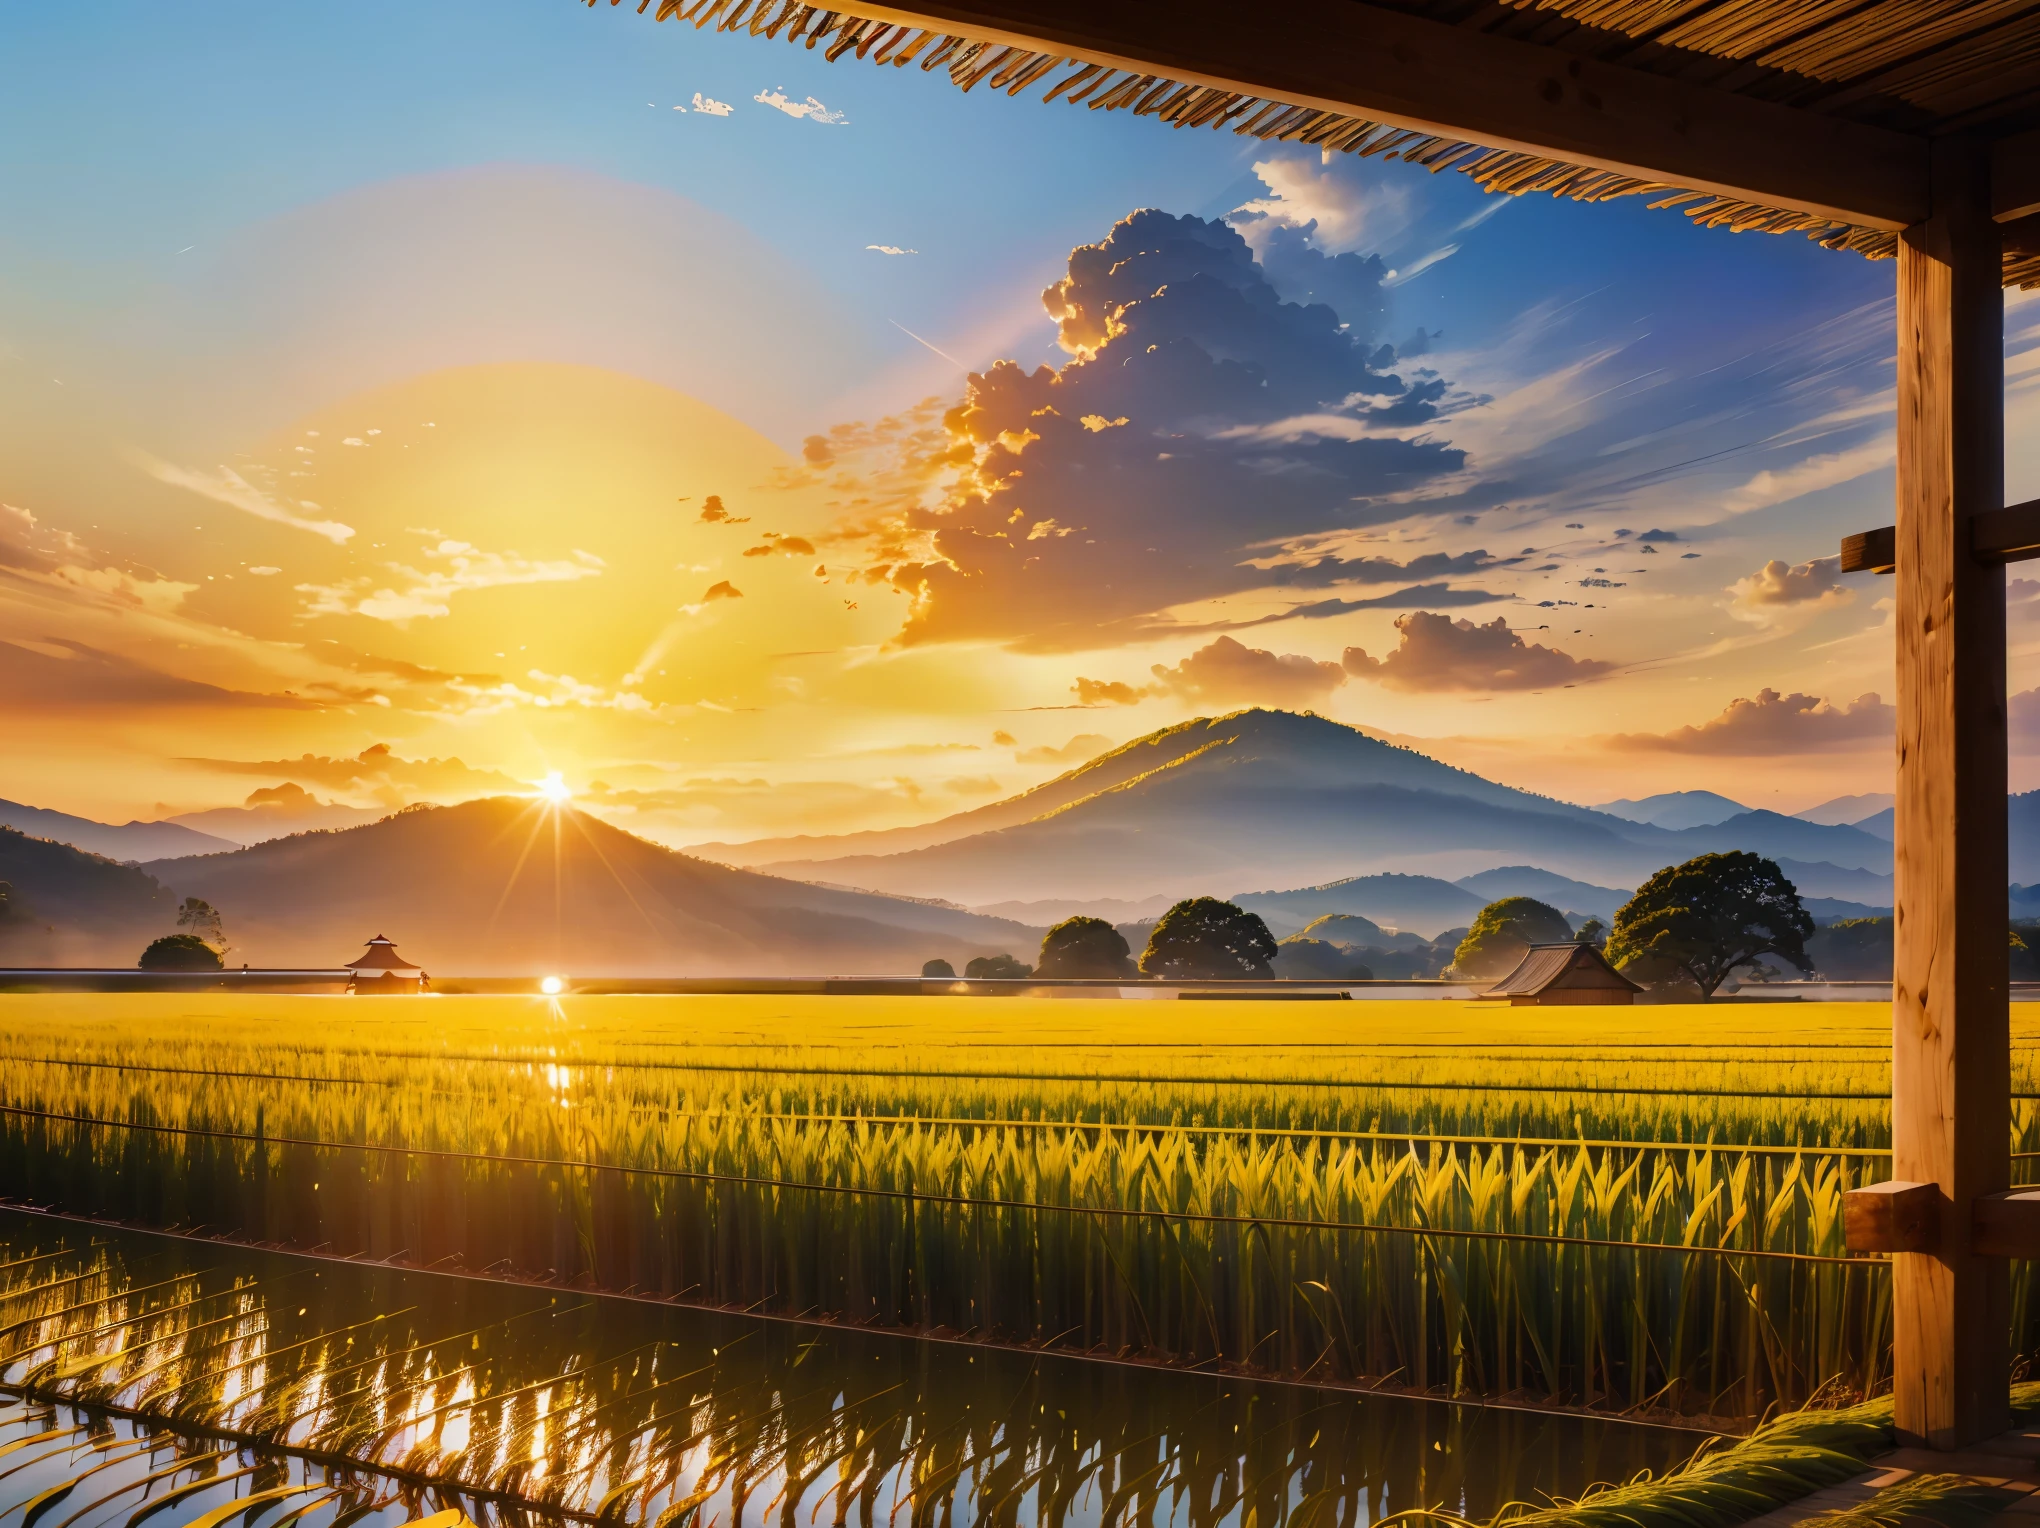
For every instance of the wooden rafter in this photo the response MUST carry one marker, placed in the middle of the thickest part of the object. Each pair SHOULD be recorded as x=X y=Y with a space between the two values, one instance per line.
x=1516 y=116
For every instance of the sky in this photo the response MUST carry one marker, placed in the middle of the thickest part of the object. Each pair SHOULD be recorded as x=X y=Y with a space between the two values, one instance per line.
x=407 y=403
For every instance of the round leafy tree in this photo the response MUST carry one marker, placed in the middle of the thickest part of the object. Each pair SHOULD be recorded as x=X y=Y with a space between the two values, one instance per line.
x=997 y=968
x=1081 y=946
x=1496 y=943
x=1301 y=958
x=938 y=970
x=1205 y=937
x=1708 y=916
x=181 y=952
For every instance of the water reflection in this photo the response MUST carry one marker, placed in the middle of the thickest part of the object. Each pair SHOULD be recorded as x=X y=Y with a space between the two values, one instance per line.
x=371 y=1396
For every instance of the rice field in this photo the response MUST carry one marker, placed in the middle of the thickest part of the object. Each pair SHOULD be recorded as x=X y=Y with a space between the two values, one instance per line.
x=151 y=1383
x=1633 y=1210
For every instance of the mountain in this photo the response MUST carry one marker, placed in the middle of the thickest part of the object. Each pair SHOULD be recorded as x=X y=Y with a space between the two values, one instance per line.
x=1418 y=904
x=66 y=907
x=509 y=885
x=1269 y=798
x=275 y=811
x=129 y=841
x=1676 y=809
x=1838 y=881
x=1561 y=892
x=1843 y=810
x=1052 y=910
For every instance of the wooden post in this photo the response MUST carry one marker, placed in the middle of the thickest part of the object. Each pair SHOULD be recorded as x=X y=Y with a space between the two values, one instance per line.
x=1951 y=1051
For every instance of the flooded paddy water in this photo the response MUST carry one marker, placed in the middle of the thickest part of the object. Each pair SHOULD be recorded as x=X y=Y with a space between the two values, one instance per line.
x=153 y=1380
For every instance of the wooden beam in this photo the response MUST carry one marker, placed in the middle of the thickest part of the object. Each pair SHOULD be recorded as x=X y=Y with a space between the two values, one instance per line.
x=2011 y=534
x=1871 y=551
x=2015 y=176
x=1951 y=1047
x=2007 y=1225
x=2022 y=235
x=1372 y=61
x=1892 y=1217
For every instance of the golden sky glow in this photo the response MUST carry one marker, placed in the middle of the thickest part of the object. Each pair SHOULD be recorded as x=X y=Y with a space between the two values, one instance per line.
x=374 y=552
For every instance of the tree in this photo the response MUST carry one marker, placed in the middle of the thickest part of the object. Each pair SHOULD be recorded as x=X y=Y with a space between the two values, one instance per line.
x=1710 y=915
x=181 y=952
x=1084 y=947
x=996 y=968
x=1205 y=937
x=938 y=970
x=1503 y=932
x=1300 y=957
x=1593 y=932
x=199 y=918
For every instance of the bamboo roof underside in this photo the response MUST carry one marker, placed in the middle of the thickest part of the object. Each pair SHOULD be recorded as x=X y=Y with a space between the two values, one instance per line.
x=1917 y=66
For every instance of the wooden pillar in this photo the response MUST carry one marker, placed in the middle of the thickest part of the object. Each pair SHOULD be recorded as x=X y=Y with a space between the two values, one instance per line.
x=1951 y=1051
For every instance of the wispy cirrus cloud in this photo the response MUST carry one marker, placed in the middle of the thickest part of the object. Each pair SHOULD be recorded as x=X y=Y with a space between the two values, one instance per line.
x=226 y=486
x=424 y=593
x=1778 y=486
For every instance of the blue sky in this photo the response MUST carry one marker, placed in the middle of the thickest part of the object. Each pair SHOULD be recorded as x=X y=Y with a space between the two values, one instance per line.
x=220 y=222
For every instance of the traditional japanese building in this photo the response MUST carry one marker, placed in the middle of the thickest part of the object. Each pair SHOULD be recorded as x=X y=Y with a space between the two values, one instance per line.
x=382 y=971
x=1564 y=973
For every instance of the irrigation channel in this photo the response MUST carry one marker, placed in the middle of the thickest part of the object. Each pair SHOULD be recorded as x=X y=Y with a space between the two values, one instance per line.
x=151 y=1380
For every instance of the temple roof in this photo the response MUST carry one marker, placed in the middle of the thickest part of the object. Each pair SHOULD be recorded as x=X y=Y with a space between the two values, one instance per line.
x=382 y=956
x=1560 y=965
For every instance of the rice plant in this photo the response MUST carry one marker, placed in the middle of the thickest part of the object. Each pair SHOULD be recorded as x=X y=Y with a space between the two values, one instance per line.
x=1581 y=1206
x=163 y=1382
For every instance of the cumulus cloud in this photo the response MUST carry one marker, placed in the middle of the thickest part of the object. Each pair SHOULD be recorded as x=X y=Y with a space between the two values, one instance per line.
x=709 y=106
x=226 y=486
x=1079 y=749
x=119 y=586
x=1108 y=692
x=1772 y=723
x=722 y=591
x=1438 y=653
x=1779 y=589
x=792 y=546
x=1228 y=671
x=1251 y=424
x=713 y=513
x=424 y=593
x=27 y=544
x=1307 y=191
x=810 y=109
x=58 y=558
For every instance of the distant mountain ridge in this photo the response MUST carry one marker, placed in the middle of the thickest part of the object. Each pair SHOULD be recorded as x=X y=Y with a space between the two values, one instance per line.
x=507 y=885
x=1676 y=809
x=1271 y=798
x=125 y=841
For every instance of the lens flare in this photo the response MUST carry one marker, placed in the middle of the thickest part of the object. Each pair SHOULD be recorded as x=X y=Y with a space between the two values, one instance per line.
x=554 y=789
